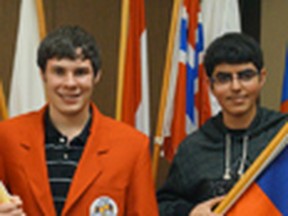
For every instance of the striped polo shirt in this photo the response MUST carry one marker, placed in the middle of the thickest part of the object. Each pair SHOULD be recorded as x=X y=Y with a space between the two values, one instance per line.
x=62 y=159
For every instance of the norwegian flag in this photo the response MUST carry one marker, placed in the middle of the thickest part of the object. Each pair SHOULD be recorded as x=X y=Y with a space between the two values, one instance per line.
x=187 y=105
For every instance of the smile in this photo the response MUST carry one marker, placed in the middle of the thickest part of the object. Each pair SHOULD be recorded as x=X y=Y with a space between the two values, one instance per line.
x=237 y=98
x=70 y=97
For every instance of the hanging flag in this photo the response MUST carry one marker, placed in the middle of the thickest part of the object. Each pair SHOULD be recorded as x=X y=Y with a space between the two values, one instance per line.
x=133 y=94
x=3 y=107
x=263 y=189
x=284 y=100
x=219 y=17
x=186 y=97
x=26 y=89
x=186 y=101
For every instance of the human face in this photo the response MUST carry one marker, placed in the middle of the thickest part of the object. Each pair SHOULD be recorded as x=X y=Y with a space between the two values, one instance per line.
x=237 y=95
x=69 y=85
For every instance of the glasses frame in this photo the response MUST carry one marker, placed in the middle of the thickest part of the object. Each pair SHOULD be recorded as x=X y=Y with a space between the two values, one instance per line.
x=224 y=78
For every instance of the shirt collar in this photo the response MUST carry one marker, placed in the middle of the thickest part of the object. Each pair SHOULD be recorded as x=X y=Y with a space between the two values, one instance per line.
x=52 y=135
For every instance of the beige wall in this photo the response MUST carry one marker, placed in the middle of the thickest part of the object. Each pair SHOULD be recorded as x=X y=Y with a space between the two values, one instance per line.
x=274 y=37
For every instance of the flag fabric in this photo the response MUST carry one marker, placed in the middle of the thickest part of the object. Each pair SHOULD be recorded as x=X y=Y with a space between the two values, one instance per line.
x=263 y=189
x=268 y=195
x=284 y=99
x=219 y=17
x=26 y=89
x=135 y=96
x=186 y=95
x=189 y=100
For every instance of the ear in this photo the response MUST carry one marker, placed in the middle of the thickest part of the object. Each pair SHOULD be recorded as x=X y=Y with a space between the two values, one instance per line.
x=262 y=77
x=97 y=77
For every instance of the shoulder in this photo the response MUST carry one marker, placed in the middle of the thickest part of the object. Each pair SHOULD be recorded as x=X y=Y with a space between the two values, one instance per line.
x=268 y=120
x=212 y=130
x=208 y=138
x=23 y=121
x=272 y=114
x=191 y=145
x=117 y=133
x=122 y=130
x=17 y=129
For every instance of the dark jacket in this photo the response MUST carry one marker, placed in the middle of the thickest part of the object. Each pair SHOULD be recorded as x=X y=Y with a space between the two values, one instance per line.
x=208 y=161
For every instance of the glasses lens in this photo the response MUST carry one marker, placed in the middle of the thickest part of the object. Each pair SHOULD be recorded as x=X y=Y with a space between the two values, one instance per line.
x=242 y=76
x=246 y=75
x=223 y=78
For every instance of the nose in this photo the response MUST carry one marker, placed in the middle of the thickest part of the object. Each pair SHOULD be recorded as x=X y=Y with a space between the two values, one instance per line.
x=235 y=82
x=69 y=80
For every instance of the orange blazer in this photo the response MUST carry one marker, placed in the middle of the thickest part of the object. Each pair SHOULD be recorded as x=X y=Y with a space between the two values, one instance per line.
x=114 y=170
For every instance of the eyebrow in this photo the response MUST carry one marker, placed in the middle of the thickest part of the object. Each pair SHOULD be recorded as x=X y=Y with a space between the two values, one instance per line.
x=77 y=67
x=56 y=66
x=241 y=71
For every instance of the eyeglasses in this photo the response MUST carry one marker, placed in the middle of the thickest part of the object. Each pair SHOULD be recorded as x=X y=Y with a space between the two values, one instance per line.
x=224 y=78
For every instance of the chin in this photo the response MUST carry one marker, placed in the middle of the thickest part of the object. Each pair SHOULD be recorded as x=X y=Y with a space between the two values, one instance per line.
x=239 y=112
x=71 y=110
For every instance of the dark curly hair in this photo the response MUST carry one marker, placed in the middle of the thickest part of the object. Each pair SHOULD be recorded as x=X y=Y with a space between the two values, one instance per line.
x=63 y=42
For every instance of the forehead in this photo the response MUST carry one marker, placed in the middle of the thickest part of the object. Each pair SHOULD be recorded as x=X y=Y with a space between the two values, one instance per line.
x=233 y=68
x=69 y=63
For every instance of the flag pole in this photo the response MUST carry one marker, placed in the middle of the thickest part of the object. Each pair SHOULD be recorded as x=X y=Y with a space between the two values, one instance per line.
x=159 y=139
x=41 y=22
x=41 y=18
x=277 y=144
x=122 y=55
x=3 y=106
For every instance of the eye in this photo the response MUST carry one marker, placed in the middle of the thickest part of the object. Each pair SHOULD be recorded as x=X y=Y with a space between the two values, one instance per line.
x=59 y=71
x=223 y=78
x=80 y=72
x=246 y=75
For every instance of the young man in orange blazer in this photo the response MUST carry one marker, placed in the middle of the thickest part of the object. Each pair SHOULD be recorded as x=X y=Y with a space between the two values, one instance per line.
x=68 y=158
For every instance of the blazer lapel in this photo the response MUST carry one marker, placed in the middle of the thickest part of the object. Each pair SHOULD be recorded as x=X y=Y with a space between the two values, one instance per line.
x=90 y=167
x=88 y=170
x=35 y=166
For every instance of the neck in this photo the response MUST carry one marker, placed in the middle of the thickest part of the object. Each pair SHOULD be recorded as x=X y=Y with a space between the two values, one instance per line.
x=241 y=121
x=69 y=125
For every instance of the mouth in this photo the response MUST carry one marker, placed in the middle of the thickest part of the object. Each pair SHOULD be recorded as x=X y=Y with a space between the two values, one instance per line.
x=70 y=98
x=237 y=99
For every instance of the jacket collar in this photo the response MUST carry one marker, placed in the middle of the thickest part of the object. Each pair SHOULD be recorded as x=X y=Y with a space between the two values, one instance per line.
x=88 y=170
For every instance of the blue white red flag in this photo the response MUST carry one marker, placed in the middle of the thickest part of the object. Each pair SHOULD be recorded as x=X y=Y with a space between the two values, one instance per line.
x=187 y=104
x=268 y=194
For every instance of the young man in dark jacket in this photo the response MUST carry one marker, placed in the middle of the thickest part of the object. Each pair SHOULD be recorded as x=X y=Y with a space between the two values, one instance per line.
x=211 y=160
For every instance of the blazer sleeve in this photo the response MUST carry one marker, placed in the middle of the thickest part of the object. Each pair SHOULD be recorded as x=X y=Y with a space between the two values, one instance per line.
x=141 y=192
